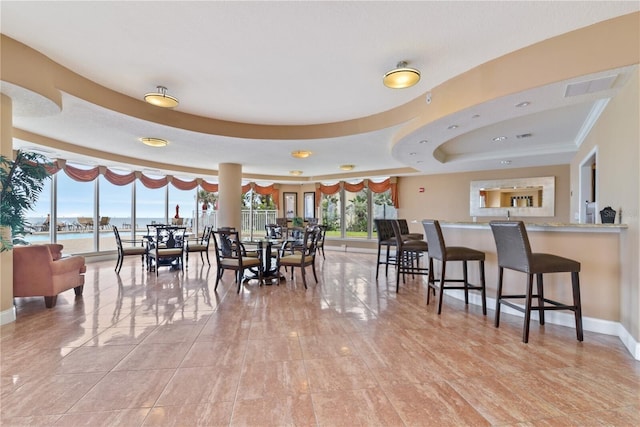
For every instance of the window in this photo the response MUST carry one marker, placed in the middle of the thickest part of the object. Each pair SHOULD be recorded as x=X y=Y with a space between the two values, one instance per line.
x=330 y=208
x=115 y=210
x=75 y=222
x=356 y=214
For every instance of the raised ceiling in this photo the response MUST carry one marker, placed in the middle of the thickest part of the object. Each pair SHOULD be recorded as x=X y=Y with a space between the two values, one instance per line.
x=262 y=79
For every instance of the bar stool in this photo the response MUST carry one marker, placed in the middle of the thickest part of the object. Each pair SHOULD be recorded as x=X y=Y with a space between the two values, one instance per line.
x=408 y=254
x=439 y=251
x=514 y=253
x=386 y=239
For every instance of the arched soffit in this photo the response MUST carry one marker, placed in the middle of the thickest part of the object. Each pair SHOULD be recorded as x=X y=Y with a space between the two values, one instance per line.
x=610 y=44
x=28 y=68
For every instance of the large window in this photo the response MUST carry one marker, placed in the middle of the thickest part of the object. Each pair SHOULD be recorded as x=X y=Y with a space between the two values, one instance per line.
x=150 y=206
x=383 y=208
x=330 y=207
x=76 y=222
x=183 y=204
x=356 y=214
x=114 y=203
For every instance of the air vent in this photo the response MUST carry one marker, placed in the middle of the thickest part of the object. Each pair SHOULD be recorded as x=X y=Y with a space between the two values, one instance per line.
x=524 y=135
x=591 y=86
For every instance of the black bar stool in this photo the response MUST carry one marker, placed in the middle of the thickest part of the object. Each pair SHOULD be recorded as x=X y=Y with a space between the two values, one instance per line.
x=387 y=239
x=408 y=254
x=439 y=251
x=514 y=253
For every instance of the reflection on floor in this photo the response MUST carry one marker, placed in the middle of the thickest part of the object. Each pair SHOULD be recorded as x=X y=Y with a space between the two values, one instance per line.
x=140 y=350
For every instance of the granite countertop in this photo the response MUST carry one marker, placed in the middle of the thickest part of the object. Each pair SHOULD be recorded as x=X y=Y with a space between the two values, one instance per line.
x=557 y=226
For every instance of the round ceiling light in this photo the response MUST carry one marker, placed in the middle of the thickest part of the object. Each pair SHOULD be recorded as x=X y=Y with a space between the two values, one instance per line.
x=401 y=77
x=161 y=99
x=296 y=173
x=154 y=142
x=347 y=167
x=301 y=154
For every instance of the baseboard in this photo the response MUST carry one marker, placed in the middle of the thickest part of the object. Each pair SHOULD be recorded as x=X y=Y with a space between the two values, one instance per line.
x=8 y=316
x=591 y=324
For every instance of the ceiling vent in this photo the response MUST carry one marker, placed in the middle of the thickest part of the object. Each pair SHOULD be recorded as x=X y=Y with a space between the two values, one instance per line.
x=524 y=135
x=590 y=86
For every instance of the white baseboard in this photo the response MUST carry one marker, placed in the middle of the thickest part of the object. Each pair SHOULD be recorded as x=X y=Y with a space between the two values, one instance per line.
x=591 y=324
x=8 y=316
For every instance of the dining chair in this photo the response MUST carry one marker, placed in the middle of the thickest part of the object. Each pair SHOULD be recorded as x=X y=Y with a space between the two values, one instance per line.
x=124 y=251
x=408 y=254
x=320 y=244
x=167 y=248
x=302 y=255
x=201 y=245
x=440 y=251
x=514 y=253
x=232 y=255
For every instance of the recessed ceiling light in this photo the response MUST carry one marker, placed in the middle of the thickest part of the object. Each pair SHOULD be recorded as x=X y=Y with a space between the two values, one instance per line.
x=505 y=162
x=524 y=135
x=301 y=154
x=420 y=161
x=154 y=142
x=161 y=99
x=296 y=173
x=424 y=141
x=499 y=138
x=412 y=154
x=475 y=116
x=347 y=167
x=453 y=127
x=523 y=104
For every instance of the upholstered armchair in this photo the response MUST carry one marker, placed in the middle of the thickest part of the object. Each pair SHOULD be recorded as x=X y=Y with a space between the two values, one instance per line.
x=40 y=270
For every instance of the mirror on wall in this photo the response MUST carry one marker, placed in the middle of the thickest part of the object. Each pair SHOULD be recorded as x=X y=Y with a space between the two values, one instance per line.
x=518 y=196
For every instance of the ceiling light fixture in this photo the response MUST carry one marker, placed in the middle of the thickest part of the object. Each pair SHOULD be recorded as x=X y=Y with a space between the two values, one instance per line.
x=296 y=173
x=154 y=142
x=505 y=162
x=347 y=167
x=161 y=99
x=499 y=138
x=453 y=127
x=301 y=154
x=523 y=104
x=401 y=77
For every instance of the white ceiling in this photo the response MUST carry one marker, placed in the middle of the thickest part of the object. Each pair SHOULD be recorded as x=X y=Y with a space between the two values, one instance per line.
x=296 y=63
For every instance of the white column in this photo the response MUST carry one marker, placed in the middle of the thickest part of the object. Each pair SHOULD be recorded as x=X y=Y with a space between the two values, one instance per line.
x=229 y=195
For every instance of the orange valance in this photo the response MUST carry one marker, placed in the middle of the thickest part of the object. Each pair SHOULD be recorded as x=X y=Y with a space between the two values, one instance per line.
x=184 y=185
x=82 y=175
x=375 y=187
x=207 y=186
x=153 y=183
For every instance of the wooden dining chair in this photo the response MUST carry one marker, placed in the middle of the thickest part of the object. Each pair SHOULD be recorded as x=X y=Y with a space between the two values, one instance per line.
x=167 y=249
x=128 y=248
x=302 y=255
x=232 y=255
x=201 y=245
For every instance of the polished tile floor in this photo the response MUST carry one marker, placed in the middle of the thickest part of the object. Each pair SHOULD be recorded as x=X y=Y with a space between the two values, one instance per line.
x=137 y=350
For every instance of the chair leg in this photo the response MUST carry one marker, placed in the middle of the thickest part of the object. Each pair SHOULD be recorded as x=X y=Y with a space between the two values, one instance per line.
x=430 y=280
x=208 y=262
x=378 y=261
x=313 y=268
x=540 y=284
x=527 y=309
x=575 y=284
x=442 y=273
x=465 y=276
x=399 y=260
x=118 y=264
x=498 y=296
x=304 y=276
x=484 y=288
x=218 y=276
x=50 y=302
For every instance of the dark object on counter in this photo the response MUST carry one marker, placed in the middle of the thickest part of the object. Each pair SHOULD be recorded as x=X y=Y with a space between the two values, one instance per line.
x=608 y=215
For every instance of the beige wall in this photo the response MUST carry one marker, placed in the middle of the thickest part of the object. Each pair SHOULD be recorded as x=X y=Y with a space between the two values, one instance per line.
x=446 y=197
x=616 y=137
x=6 y=258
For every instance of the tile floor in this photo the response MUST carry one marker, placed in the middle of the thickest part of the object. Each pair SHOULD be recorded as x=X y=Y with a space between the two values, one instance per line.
x=137 y=350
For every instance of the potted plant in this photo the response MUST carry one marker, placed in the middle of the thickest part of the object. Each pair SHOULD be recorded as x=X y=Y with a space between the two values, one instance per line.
x=21 y=182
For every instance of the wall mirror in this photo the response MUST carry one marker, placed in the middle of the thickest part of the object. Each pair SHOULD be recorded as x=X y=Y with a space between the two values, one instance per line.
x=518 y=196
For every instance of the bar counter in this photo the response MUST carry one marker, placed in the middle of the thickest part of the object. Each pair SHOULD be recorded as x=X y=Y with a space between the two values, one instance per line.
x=595 y=246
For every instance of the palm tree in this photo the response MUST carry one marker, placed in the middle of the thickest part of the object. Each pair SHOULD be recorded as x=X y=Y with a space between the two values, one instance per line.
x=21 y=182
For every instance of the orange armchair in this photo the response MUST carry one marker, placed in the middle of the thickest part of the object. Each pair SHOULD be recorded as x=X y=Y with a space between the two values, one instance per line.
x=40 y=270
